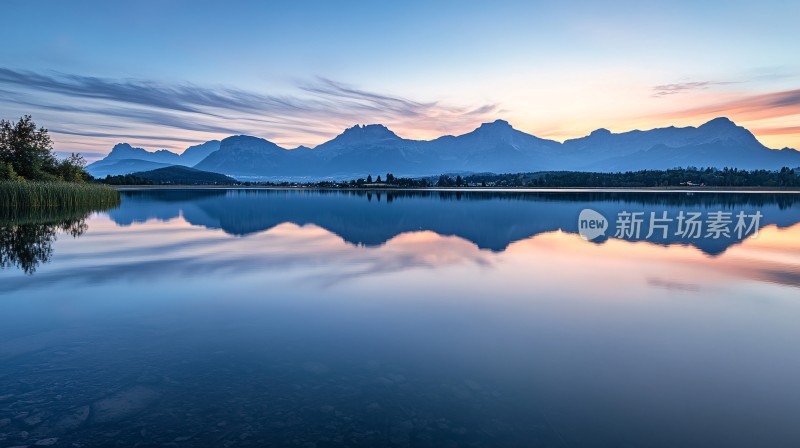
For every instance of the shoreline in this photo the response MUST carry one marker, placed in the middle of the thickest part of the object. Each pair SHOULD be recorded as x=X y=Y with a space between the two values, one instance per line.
x=751 y=190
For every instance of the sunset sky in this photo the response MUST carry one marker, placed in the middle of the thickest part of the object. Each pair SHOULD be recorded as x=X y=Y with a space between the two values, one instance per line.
x=168 y=74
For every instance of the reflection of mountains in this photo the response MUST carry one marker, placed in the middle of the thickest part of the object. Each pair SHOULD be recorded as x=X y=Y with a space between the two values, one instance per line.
x=492 y=220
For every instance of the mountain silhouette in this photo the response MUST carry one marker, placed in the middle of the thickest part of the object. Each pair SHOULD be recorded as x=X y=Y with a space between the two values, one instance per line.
x=493 y=147
x=126 y=159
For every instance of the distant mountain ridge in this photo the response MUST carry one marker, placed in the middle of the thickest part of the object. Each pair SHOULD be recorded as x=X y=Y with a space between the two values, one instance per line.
x=492 y=147
x=126 y=159
x=113 y=167
x=191 y=156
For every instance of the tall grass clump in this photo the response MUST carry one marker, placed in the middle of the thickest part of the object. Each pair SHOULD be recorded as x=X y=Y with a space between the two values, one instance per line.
x=34 y=195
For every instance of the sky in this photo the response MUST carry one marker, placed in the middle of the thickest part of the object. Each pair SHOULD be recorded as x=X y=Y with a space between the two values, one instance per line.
x=170 y=74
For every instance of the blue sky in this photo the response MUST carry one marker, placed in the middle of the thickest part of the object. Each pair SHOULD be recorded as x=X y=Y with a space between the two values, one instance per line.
x=171 y=73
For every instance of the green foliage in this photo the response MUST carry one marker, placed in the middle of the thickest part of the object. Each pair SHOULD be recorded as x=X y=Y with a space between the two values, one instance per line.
x=27 y=149
x=7 y=172
x=72 y=169
x=680 y=177
x=27 y=195
x=445 y=181
x=27 y=153
x=126 y=179
x=712 y=177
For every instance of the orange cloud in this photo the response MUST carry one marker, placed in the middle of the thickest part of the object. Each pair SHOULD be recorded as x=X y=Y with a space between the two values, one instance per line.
x=751 y=107
x=778 y=130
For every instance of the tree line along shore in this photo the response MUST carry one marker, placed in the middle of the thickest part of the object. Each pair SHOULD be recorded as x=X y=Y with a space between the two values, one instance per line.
x=710 y=178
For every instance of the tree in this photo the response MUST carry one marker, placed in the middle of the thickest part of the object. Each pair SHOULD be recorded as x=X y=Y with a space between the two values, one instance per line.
x=369 y=178
x=28 y=150
x=389 y=178
x=71 y=169
x=459 y=181
x=27 y=153
x=378 y=180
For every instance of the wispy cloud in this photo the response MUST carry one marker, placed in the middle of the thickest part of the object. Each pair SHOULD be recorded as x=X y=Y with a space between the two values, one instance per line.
x=353 y=104
x=782 y=130
x=750 y=107
x=88 y=155
x=150 y=110
x=181 y=97
x=361 y=100
x=116 y=135
x=685 y=87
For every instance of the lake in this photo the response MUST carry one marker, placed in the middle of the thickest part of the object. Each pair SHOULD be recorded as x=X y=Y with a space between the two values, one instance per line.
x=214 y=317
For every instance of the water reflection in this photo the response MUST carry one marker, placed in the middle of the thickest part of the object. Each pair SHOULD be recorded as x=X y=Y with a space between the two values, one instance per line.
x=27 y=236
x=261 y=318
x=490 y=220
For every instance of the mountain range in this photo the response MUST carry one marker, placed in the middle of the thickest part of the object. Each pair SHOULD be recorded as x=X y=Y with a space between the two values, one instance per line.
x=493 y=147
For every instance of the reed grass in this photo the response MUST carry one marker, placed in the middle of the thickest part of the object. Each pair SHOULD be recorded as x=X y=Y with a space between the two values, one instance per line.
x=62 y=195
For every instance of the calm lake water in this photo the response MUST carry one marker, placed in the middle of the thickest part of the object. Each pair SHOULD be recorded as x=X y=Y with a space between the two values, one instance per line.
x=293 y=318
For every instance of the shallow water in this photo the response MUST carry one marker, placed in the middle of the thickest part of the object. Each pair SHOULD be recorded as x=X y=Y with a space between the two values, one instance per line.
x=297 y=318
